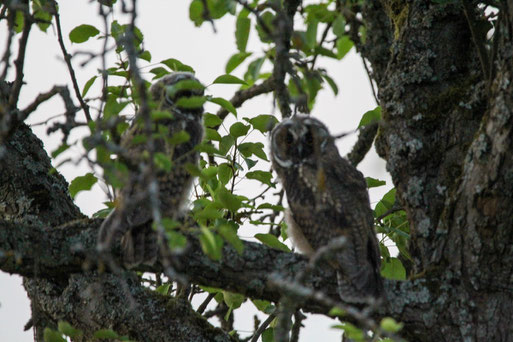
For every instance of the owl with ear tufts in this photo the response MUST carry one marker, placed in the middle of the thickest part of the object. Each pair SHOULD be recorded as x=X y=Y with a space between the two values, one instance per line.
x=176 y=130
x=328 y=199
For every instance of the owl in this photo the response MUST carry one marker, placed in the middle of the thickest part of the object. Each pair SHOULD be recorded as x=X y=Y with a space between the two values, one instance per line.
x=176 y=130
x=327 y=199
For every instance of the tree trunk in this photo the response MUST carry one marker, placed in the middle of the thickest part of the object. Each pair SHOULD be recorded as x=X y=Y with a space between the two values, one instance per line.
x=447 y=136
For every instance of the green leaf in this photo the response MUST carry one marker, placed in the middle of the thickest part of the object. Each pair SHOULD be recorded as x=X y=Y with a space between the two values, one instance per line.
x=268 y=335
x=157 y=115
x=242 y=27
x=228 y=200
x=19 y=21
x=211 y=244
x=320 y=50
x=389 y=324
x=176 y=65
x=374 y=183
x=238 y=129
x=261 y=305
x=264 y=122
x=163 y=289
x=233 y=300
x=262 y=176
x=228 y=79
x=370 y=116
x=82 y=183
x=113 y=107
x=106 y=334
x=212 y=134
x=68 y=330
x=42 y=15
x=162 y=161
x=272 y=241
x=229 y=234
x=59 y=150
x=267 y=17
x=168 y=224
x=351 y=331
x=146 y=55
x=208 y=213
x=344 y=44
x=393 y=269
x=271 y=206
x=224 y=103
x=224 y=173
x=82 y=33
x=254 y=70
x=250 y=163
x=336 y=312
x=88 y=85
x=225 y=144
x=175 y=240
x=179 y=138
x=102 y=213
x=191 y=102
x=331 y=83
x=196 y=10
x=249 y=149
x=311 y=33
x=339 y=26
x=385 y=204
x=211 y=120
x=236 y=60
x=50 y=335
x=159 y=72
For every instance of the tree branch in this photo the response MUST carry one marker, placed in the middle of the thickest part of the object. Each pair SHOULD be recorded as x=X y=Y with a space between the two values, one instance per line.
x=363 y=144
x=242 y=96
x=90 y=302
x=67 y=59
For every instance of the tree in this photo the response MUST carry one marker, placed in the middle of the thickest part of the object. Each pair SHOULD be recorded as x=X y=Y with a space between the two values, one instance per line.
x=443 y=72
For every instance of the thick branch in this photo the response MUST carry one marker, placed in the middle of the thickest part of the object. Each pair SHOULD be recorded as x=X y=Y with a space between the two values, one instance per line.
x=25 y=250
x=91 y=302
x=363 y=144
x=242 y=96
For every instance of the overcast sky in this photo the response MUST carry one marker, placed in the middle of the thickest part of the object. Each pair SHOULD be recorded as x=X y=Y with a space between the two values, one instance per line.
x=169 y=34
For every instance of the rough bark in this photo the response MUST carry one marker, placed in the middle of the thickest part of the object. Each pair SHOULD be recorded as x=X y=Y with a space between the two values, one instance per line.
x=54 y=253
x=446 y=135
x=447 y=140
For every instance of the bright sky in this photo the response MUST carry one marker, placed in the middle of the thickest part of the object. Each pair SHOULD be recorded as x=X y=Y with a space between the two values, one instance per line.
x=169 y=34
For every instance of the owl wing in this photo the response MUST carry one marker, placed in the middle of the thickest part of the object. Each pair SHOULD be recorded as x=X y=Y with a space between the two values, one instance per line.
x=130 y=222
x=360 y=262
x=341 y=208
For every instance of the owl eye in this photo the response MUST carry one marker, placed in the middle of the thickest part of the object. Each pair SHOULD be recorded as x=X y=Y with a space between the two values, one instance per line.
x=309 y=140
x=289 y=139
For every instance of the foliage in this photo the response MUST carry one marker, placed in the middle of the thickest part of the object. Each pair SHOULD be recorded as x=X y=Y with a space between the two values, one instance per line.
x=231 y=150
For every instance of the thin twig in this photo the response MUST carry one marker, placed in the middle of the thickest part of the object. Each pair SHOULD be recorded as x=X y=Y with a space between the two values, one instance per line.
x=323 y=38
x=369 y=76
x=481 y=49
x=20 y=61
x=7 y=54
x=67 y=59
x=205 y=303
x=263 y=326
x=362 y=317
x=296 y=327
x=242 y=96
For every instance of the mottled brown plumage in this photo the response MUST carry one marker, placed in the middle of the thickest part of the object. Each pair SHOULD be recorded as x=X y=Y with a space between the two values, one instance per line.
x=132 y=218
x=328 y=198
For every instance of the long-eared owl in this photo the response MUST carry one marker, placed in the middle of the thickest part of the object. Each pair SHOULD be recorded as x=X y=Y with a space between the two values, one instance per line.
x=327 y=198
x=130 y=222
